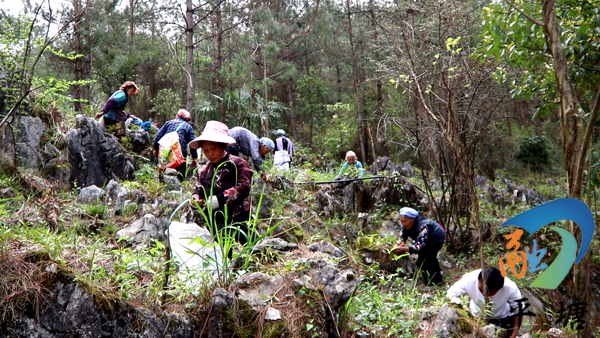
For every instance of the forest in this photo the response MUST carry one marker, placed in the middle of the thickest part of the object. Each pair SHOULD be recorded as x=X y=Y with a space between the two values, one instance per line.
x=469 y=111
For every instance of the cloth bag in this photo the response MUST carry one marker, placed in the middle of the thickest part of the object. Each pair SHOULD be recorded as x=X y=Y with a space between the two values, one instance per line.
x=169 y=151
x=281 y=157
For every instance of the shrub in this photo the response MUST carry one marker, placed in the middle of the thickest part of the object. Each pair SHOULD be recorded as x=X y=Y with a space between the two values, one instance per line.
x=534 y=152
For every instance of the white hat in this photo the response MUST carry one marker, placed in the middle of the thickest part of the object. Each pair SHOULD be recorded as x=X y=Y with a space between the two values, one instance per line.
x=214 y=131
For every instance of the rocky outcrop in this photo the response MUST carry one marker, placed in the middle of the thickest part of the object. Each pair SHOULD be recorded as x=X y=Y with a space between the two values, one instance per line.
x=140 y=140
x=363 y=196
x=143 y=230
x=69 y=310
x=96 y=157
x=89 y=194
x=23 y=136
x=451 y=322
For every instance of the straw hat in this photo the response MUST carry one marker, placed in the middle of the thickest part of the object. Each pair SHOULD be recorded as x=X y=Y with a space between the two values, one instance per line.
x=128 y=84
x=214 y=131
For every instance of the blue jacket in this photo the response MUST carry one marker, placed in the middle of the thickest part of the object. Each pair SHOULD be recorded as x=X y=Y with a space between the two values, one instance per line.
x=359 y=166
x=114 y=108
x=186 y=134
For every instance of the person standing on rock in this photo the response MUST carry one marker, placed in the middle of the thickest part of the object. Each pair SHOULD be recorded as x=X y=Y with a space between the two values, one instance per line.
x=250 y=145
x=186 y=135
x=352 y=161
x=113 y=111
x=223 y=184
x=284 y=151
x=502 y=292
x=429 y=238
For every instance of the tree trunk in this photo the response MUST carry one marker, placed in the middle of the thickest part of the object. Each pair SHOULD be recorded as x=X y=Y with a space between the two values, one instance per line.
x=574 y=150
x=219 y=60
x=381 y=137
x=266 y=126
x=293 y=125
x=131 y=6
x=356 y=82
x=80 y=62
x=487 y=153
x=338 y=82
x=189 y=50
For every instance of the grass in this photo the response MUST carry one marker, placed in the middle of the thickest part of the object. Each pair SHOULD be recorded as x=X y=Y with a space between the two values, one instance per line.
x=381 y=305
x=96 y=209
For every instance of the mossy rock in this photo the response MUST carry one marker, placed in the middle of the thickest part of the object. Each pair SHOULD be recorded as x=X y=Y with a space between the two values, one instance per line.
x=275 y=329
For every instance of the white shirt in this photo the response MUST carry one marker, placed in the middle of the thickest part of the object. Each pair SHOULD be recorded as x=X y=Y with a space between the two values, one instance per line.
x=502 y=302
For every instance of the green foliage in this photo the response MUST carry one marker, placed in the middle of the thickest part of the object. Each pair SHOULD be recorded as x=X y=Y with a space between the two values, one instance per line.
x=510 y=37
x=389 y=306
x=534 y=152
x=95 y=209
x=165 y=104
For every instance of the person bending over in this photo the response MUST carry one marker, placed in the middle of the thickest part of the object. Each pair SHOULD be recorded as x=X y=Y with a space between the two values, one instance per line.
x=502 y=292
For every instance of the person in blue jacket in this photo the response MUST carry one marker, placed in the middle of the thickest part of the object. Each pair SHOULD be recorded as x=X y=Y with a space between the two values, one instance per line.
x=113 y=110
x=429 y=238
x=351 y=160
x=186 y=135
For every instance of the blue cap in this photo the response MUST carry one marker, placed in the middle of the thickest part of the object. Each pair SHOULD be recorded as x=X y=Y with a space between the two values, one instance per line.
x=409 y=212
x=280 y=132
x=268 y=142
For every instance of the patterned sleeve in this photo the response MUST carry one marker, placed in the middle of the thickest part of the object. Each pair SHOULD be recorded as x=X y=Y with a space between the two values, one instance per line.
x=421 y=239
x=254 y=151
x=160 y=134
x=244 y=179
x=189 y=137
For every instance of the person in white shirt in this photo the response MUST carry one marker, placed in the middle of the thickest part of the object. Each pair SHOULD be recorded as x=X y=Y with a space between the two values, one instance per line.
x=503 y=293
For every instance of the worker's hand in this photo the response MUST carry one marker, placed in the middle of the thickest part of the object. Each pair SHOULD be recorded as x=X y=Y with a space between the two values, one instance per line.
x=155 y=152
x=457 y=303
x=400 y=250
x=196 y=198
x=99 y=115
x=194 y=163
x=264 y=176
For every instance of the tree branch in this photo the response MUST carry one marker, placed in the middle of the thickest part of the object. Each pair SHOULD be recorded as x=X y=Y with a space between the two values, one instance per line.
x=589 y=131
x=531 y=18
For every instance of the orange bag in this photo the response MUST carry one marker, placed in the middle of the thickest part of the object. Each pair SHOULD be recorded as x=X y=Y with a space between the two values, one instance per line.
x=169 y=151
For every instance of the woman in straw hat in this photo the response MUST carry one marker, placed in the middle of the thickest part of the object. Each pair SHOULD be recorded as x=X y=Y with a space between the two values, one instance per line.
x=223 y=184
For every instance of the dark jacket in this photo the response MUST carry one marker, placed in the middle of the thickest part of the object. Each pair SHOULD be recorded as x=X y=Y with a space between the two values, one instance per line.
x=186 y=135
x=423 y=231
x=231 y=184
